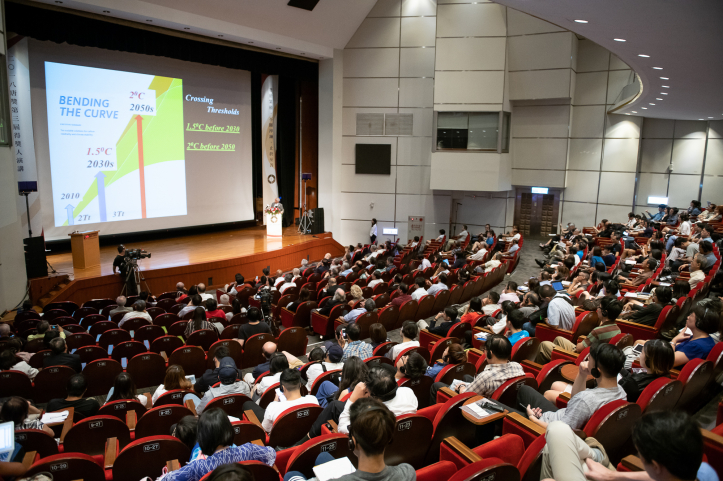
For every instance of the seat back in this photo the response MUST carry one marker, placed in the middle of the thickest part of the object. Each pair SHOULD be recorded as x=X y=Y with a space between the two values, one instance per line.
x=246 y=432
x=388 y=316
x=530 y=464
x=293 y=340
x=253 y=353
x=36 y=440
x=441 y=300
x=715 y=356
x=377 y=360
x=231 y=404
x=612 y=426
x=302 y=317
x=585 y=323
x=695 y=375
x=407 y=312
x=411 y=440
x=303 y=459
x=135 y=323
x=234 y=348
x=147 y=369
x=37 y=360
x=101 y=327
x=660 y=395
x=158 y=420
x=421 y=388
x=78 y=340
x=364 y=321
x=439 y=347
x=113 y=337
x=127 y=350
x=455 y=371
x=148 y=457
x=449 y=421
x=507 y=392
x=324 y=376
x=166 y=344
x=293 y=424
x=551 y=372
x=179 y=328
x=148 y=333
x=384 y=347
x=50 y=383
x=203 y=338
x=121 y=407
x=166 y=320
x=88 y=436
x=191 y=358
x=100 y=375
x=15 y=383
x=174 y=396
x=525 y=349
x=487 y=470
x=418 y=349
x=88 y=321
x=68 y=467
x=426 y=304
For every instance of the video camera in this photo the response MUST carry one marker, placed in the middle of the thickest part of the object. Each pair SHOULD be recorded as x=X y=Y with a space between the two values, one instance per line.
x=137 y=254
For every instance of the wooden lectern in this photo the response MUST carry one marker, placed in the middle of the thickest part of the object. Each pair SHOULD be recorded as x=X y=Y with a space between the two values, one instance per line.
x=86 y=249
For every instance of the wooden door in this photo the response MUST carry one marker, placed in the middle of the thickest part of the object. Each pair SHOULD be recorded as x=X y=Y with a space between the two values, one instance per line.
x=536 y=214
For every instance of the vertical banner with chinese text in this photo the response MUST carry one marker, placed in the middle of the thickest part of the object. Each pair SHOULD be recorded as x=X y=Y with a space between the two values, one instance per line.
x=20 y=111
x=269 y=108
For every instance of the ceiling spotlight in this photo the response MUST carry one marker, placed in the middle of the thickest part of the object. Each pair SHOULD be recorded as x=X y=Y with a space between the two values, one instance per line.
x=627 y=114
x=664 y=78
x=658 y=99
x=665 y=86
x=663 y=93
x=701 y=119
x=652 y=104
x=634 y=111
x=710 y=117
x=643 y=55
x=644 y=108
x=581 y=21
x=619 y=39
x=658 y=68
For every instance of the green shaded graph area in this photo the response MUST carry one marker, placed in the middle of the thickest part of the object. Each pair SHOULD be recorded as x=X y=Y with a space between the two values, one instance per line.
x=163 y=137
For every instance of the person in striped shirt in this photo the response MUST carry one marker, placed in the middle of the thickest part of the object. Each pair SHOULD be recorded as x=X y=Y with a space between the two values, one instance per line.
x=608 y=311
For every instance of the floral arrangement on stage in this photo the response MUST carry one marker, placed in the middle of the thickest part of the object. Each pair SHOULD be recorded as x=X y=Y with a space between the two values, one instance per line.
x=273 y=212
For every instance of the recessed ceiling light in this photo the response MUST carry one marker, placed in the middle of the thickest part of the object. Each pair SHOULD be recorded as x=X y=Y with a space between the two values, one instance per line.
x=643 y=55
x=663 y=93
x=701 y=119
x=665 y=86
x=634 y=111
x=664 y=78
x=658 y=99
x=652 y=104
x=619 y=39
x=627 y=114
x=658 y=68
x=710 y=117
x=581 y=21
x=644 y=108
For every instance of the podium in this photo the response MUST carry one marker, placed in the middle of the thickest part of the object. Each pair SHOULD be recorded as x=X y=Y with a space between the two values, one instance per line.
x=273 y=225
x=86 y=249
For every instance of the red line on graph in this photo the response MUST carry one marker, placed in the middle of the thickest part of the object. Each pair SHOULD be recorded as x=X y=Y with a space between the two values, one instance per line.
x=139 y=124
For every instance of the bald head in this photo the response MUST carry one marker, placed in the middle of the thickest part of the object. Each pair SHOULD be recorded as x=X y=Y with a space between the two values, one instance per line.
x=327 y=255
x=4 y=330
x=339 y=295
x=201 y=288
x=269 y=348
x=180 y=286
x=121 y=301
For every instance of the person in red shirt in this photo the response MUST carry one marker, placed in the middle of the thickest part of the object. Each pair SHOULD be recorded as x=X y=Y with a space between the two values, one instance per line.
x=212 y=309
x=404 y=297
x=473 y=311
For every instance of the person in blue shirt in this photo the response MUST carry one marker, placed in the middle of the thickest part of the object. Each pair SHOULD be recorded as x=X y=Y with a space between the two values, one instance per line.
x=657 y=217
x=490 y=238
x=703 y=322
x=694 y=208
x=607 y=256
x=597 y=256
x=515 y=320
x=454 y=354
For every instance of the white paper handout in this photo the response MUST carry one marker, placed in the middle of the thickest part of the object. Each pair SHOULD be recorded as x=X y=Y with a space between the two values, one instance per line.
x=334 y=469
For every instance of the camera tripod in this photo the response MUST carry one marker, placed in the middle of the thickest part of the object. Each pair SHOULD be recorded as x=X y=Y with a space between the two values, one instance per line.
x=134 y=278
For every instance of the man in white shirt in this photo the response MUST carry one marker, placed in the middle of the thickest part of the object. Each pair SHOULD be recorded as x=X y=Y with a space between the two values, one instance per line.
x=380 y=385
x=287 y=283
x=409 y=333
x=560 y=311
x=441 y=285
x=290 y=396
x=425 y=264
x=331 y=362
x=279 y=278
x=139 y=310
x=420 y=291
x=237 y=286
x=491 y=303
x=696 y=272
x=373 y=256
x=376 y=279
x=510 y=293
x=202 y=292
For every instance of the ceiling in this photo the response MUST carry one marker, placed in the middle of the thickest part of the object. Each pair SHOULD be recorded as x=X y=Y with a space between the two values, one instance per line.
x=269 y=24
x=684 y=38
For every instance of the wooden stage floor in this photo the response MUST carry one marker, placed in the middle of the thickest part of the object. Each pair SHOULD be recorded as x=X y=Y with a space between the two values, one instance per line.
x=185 y=250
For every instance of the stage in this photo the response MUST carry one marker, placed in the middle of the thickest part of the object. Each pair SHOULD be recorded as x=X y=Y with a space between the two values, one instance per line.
x=212 y=259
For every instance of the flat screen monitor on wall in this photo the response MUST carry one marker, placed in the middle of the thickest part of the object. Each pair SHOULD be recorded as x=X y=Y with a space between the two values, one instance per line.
x=373 y=159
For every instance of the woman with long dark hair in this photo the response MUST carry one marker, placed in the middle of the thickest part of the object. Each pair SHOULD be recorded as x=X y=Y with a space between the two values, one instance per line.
x=198 y=322
x=124 y=389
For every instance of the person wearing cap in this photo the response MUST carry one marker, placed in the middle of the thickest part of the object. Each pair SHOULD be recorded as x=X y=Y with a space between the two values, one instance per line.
x=227 y=374
x=332 y=361
x=210 y=377
x=657 y=217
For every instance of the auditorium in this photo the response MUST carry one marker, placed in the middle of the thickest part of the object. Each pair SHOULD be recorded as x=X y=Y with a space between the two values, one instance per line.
x=378 y=240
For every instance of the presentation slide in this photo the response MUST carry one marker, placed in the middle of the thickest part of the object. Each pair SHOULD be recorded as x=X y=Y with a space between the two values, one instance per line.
x=116 y=145
x=129 y=143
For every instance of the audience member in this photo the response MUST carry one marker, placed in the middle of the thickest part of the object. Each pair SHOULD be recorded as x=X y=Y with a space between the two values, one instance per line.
x=124 y=389
x=377 y=334
x=227 y=374
x=121 y=303
x=198 y=322
x=175 y=378
x=442 y=322
x=75 y=389
x=277 y=364
x=8 y=362
x=17 y=410
x=453 y=354
x=60 y=356
x=356 y=347
x=409 y=334
x=403 y=296
x=332 y=361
